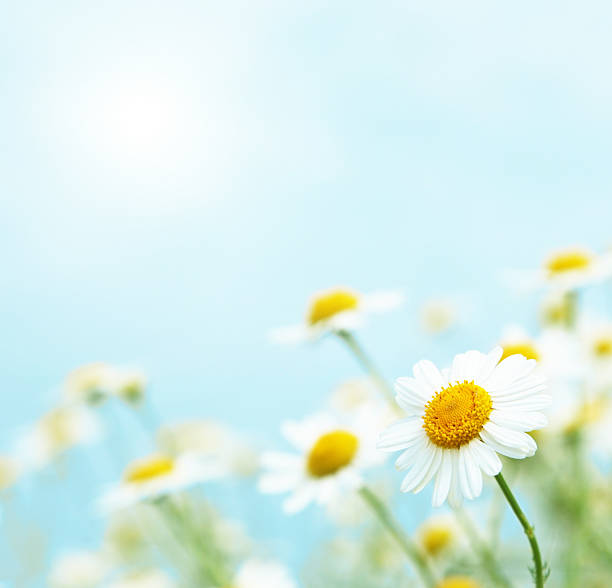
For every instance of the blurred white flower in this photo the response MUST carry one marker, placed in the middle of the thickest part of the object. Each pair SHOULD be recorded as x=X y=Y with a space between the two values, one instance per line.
x=56 y=432
x=80 y=569
x=125 y=536
x=438 y=315
x=337 y=309
x=595 y=336
x=144 y=579
x=258 y=573
x=438 y=535
x=458 y=419
x=334 y=451
x=88 y=384
x=565 y=270
x=155 y=476
x=128 y=384
x=211 y=441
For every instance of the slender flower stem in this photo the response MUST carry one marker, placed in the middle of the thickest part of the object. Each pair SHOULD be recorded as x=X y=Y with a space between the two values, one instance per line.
x=390 y=523
x=538 y=572
x=368 y=365
x=486 y=554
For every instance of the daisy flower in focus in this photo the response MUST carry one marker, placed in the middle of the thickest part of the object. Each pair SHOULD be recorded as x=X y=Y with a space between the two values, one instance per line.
x=256 y=573
x=333 y=452
x=458 y=419
x=337 y=309
x=567 y=269
x=56 y=432
x=155 y=476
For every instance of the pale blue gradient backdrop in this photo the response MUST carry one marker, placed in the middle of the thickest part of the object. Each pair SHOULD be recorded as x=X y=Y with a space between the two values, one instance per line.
x=385 y=144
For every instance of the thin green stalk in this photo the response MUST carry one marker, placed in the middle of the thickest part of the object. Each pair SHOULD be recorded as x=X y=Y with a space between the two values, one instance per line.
x=368 y=365
x=390 y=523
x=538 y=570
x=486 y=554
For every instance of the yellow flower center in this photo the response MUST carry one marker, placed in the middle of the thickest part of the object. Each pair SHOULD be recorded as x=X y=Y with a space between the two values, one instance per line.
x=148 y=469
x=327 y=304
x=602 y=347
x=331 y=453
x=526 y=349
x=456 y=414
x=567 y=261
x=457 y=582
x=436 y=538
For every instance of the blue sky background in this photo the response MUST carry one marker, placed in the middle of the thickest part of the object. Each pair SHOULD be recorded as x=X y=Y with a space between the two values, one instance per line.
x=295 y=146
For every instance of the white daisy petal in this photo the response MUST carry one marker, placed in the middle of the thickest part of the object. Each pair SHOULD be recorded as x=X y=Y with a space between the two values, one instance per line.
x=407 y=457
x=429 y=375
x=299 y=500
x=508 y=371
x=401 y=434
x=510 y=443
x=519 y=421
x=485 y=457
x=455 y=497
x=443 y=479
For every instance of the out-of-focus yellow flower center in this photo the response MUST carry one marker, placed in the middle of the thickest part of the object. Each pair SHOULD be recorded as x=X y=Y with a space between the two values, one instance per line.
x=567 y=261
x=327 y=304
x=602 y=347
x=456 y=414
x=331 y=453
x=458 y=582
x=436 y=538
x=588 y=413
x=148 y=469
x=525 y=348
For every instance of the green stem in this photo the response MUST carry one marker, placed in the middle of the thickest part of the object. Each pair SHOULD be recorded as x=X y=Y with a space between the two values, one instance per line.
x=487 y=556
x=368 y=365
x=388 y=521
x=538 y=571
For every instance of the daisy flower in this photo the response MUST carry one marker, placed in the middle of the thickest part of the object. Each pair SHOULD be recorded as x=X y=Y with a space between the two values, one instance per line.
x=255 y=573
x=332 y=454
x=88 y=384
x=438 y=315
x=567 y=269
x=458 y=419
x=155 y=476
x=56 y=432
x=337 y=309
x=438 y=534
x=458 y=582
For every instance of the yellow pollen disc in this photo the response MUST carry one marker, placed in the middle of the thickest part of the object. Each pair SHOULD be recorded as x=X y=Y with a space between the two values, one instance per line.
x=331 y=453
x=603 y=347
x=148 y=469
x=456 y=414
x=327 y=304
x=436 y=538
x=526 y=349
x=458 y=582
x=567 y=261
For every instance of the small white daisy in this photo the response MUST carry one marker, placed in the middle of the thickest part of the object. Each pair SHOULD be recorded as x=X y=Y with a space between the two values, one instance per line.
x=595 y=337
x=333 y=453
x=565 y=270
x=88 y=384
x=337 y=309
x=438 y=315
x=55 y=433
x=438 y=535
x=257 y=573
x=458 y=419
x=155 y=476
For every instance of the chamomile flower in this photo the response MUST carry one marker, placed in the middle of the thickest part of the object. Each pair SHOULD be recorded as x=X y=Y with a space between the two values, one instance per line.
x=438 y=315
x=337 y=309
x=56 y=432
x=88 y=384
x=438 y=534
x=256 y=573
x=333 y=452
x=595 y=336
x=458 y=419
x=568 y=269
x=458 y=582
x=79 y=569
x=155 y=476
